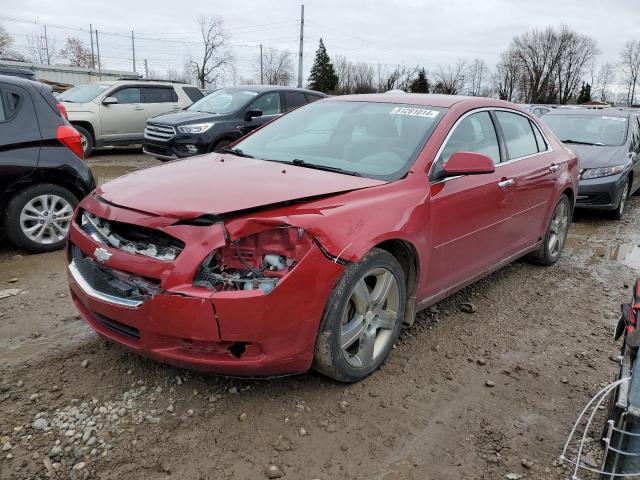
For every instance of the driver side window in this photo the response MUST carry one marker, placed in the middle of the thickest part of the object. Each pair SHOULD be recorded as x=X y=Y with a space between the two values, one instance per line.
x=476 y=134
x=268 y=104
x=127 y=95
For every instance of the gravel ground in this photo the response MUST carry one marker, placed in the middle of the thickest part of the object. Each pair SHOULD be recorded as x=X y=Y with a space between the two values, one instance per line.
x=486 y=393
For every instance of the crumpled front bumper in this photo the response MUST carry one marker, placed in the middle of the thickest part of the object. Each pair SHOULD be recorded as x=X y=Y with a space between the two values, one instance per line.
x=243 y=333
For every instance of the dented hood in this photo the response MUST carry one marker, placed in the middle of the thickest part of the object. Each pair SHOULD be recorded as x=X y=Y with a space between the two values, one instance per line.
x=218 y=184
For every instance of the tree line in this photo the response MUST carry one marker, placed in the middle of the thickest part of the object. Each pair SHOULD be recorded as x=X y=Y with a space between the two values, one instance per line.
x=550 y=65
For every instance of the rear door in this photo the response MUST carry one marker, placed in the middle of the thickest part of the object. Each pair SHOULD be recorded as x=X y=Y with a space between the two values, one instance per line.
x=19 y=136
x=271 y=106
x=126 y=119
x=530 y=165
x=468 y=213
x=159 y=100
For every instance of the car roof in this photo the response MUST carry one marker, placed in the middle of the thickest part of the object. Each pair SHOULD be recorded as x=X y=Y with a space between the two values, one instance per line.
x=614 y=112
x=20 y=81
x=430 y=100
x=265 y=88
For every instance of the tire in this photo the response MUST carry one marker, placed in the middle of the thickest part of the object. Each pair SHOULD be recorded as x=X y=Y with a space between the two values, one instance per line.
x=87 y=140
x=360 y=324
x=220 y=144
x=550 y=250
x=32 y=207
x=619 y=211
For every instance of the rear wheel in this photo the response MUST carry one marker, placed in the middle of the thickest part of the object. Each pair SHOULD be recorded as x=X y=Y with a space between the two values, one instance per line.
x=556 y=234
x=39 y=216
x=86 y=139
x=362 y=319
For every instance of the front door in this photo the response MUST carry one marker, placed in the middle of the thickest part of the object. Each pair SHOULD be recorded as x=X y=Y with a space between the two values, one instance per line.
x=126 y=119
x=269 y=104
x=468 y=213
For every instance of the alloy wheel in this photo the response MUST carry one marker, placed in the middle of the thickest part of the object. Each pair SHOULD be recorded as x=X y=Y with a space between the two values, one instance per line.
x=558 y=229
x=45 y=219
x=370 y=317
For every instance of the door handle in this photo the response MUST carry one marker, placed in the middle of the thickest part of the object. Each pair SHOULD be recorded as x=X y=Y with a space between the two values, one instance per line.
x=138 y=108
x=553 y=167
x=507 y=182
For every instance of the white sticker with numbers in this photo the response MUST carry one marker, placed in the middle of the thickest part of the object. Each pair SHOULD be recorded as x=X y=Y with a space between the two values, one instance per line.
x=414 y=112
x=617 y=119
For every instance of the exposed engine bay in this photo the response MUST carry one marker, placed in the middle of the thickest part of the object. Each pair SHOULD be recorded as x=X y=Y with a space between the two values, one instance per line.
x=258 y=261
x=131 y=238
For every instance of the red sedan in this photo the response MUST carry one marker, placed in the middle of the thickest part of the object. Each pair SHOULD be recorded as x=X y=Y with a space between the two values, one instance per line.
x=310 y=242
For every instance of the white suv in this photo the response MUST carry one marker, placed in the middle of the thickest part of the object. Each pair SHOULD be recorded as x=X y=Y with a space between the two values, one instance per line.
x=115 y=113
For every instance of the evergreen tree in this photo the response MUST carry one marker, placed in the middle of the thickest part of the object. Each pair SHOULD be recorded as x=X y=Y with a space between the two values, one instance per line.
x=420 y=84
x=585 y=94
x=323 y=76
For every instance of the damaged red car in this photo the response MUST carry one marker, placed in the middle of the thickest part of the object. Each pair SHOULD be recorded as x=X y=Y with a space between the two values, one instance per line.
x=308 y=243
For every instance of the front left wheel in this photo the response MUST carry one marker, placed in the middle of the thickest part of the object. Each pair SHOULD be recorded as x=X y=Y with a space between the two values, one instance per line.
x=39 y=216
x=362 y=319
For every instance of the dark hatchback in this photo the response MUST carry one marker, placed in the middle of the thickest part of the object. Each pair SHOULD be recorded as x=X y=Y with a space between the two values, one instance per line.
x=220 y=118
x=607 y=142
x=42 y=175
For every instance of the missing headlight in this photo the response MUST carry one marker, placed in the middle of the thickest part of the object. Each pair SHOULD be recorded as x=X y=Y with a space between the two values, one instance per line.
x=255 y=262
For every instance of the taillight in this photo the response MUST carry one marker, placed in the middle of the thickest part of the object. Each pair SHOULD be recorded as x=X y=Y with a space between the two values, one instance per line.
x=70 y=138
x=62 y=110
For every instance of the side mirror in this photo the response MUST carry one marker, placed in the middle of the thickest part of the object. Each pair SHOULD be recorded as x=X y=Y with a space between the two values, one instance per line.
x=110 y=101
x=249 y=114
x=467 y=163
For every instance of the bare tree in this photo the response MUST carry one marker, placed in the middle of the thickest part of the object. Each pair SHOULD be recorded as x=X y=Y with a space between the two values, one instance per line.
x=630 y=68
x=478 y=73
x=6 y=46
x=40 y=50
x=344 y=70
x=577 y=51
x=451 y=79
x=363 y=78
x=506 y=77
x=216 y=58
x=277 y=67
x=76 y=53
x=601 y=80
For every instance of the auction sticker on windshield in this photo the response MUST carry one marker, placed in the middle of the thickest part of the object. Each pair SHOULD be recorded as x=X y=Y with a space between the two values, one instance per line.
x=414 y=112
x=617 y=119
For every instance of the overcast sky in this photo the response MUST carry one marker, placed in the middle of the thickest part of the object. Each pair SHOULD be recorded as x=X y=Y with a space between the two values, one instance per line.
x=409 y=32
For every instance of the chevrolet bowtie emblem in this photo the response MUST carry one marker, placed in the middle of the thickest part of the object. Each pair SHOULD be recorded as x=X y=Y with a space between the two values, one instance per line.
x=102 y=255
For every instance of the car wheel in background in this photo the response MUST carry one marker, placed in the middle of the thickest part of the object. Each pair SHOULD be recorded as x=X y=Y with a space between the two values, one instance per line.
x=220 y=145
x=86 y=139
x=619 y=211
x=556 y=234
x=362 y=318
x=39 y=216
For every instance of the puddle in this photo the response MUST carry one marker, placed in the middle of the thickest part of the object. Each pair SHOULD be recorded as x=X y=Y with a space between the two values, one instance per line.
x=624 y=250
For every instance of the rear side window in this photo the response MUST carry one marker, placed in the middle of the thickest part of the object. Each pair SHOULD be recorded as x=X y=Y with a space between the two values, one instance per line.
x=475 y=133
x=9 y=105
x=518 y=134
x=311 y=98
x=542 y=145
x=128 y=95
x=193 y=93
x=160 y=95
x=294 y=100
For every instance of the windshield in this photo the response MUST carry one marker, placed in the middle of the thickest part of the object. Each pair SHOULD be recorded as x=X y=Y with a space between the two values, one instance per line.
x=590 y=129
x=83 y=93
x=226 y=100
x=376 y=140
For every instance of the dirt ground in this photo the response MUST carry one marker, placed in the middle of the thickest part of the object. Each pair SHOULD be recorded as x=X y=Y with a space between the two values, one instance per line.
x=73 y=406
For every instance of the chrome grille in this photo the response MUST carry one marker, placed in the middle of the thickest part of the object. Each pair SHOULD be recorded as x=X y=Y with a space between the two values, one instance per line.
x=163 y=133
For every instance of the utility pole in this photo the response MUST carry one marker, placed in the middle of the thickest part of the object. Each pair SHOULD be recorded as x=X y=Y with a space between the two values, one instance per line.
x=46 y=45
x=146 y=69
x=301 y=46
x=93 y=58
x=261 y=71
x=133 y=48
x=99 y=63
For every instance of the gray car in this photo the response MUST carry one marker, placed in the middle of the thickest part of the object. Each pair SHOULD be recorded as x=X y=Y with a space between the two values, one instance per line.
x=607 y=142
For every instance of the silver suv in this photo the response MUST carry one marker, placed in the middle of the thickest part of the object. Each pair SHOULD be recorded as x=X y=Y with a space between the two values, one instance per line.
x=115 y=113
